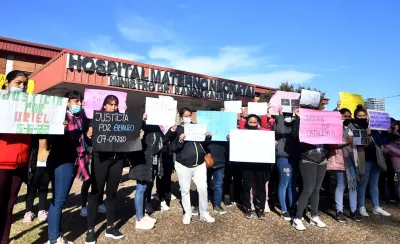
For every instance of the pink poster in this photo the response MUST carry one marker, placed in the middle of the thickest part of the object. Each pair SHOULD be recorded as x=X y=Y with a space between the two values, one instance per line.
x=320 y=127
x=94 y=99
x=276 y=99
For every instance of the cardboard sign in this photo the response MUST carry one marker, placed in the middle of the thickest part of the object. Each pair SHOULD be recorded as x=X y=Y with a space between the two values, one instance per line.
x=113 y=132
x=312 y=98
x=32 y=113
x=233 y=106
x=360 y=137
x=288 y=105
x=195 y=132
x=379 y=120
x=276 y=100
x=219 y=124
x=257 y=108
x=160 y=111
x=350 y=101
x=253 y=146
x=94 y=100
x=320 y=127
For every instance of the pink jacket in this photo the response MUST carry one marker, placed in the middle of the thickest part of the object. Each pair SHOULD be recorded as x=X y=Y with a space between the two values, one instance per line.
x=394 y=153
x=336 y=160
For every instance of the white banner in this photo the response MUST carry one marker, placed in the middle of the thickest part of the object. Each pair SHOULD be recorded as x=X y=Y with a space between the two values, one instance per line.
x=160 y=111
x=253 y=146
x=257 y=108
x=24 y=113
x=233 y=106
x=195 y=132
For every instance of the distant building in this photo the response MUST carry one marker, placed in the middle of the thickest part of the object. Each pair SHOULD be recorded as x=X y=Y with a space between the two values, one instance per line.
x=375 y=104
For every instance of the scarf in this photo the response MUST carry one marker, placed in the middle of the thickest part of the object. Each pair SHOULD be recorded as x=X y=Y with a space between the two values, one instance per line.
x=74 y=131
x=358 y=157
x=349 y=165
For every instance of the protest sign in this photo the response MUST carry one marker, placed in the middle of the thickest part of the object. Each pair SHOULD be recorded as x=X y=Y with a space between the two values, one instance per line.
x=195 y=132
x=233 y=106
x=276 y=100
x=312 y=98
x=253 y=146
x=257 y=108
x=350 y=101
x=29 y=89
x=378 y=120
x=360 y=137
x=31 y=113
x=217 y=123
x=320 y=127
x=288 y=105
x=94 y=99
x=113 y=132
x=160 y=111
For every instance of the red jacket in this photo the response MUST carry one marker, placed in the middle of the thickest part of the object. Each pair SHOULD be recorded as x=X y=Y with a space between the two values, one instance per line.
x=264 y=124
x=14 y=150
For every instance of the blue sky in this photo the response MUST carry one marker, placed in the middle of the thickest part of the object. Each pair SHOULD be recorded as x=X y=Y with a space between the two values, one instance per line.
x=340 y=45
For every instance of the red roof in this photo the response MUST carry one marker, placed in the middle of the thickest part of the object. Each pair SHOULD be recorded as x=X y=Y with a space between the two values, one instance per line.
x=30 y=48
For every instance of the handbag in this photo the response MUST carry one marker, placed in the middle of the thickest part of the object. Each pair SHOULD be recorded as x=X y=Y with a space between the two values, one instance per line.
x=209 y=160
x=380 y=158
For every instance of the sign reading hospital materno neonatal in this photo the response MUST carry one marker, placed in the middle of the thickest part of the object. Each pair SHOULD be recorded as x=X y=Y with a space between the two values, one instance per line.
x=132 y=76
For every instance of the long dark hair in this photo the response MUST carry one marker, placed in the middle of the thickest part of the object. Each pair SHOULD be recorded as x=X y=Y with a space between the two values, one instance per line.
x=12 y=75
x=108 y=100
x=252 y=116
x=345 y=110
x=183 y=110
x=359 y=109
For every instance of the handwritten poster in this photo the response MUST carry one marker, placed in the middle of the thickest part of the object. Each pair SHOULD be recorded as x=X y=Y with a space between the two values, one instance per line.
x=160 y=111
x=29 y=89
x=312 y=98
x=350 y=101
x=233 y=106
x=378 y=120
x=195 y=132
x=254 y=146
x=276 y=100
x=219 y=124
x=257 y=108
x=360 y=137
x=114 y=132
x=24 y=113
x=94 y=99
x=320 y=127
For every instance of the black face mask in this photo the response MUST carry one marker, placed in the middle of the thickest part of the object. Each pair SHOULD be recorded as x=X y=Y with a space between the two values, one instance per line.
x=363 y=123
x=346 y=122
x=251 y=127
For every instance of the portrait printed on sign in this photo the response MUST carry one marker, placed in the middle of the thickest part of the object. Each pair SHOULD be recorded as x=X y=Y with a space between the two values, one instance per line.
x=360 y=137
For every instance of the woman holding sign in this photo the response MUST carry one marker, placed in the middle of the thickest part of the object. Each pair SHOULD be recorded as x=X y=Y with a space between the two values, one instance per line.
x=190 y=165
x=14 y=157
x=106 y=167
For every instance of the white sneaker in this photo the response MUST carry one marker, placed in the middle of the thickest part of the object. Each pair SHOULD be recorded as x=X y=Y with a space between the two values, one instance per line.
x=102 y=209
x=150 y=219
x=207 y=218
x=187 y=218
x=173 y=197
x=144 y=225
x=149 y=208
x=298 y=224
x=84 y=212
x=363 y=212
x=61 y=240
x=380 y=211
x=164 y=206
x=267 y=209
x=317 y=222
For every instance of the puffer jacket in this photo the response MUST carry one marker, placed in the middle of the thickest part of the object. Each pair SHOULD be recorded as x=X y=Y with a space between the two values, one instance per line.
x=288 y=146
x=394 y=151
x=336 y=160
x=14 y=150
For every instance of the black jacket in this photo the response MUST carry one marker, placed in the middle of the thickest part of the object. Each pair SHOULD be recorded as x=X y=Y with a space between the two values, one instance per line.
x=219 y=152
x=189 y=153
x=288 y=145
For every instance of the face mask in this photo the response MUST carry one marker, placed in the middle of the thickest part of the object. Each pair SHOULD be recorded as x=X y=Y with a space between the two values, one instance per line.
x=187 y=120
x=363 y=123
x=346 y=122
x=75 y=109
x=252 y=127
x=16 y=89
x=288 y=119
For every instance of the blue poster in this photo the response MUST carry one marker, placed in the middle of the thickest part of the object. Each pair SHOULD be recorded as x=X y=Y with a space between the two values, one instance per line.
x=218 y=123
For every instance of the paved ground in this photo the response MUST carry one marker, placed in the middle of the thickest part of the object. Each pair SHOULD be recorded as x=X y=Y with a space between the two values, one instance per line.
x=229 y=228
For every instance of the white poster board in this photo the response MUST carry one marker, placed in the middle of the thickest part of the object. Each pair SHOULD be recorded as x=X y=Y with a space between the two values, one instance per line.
x=195 y=132
x=160 y=111
x=257 y=108
x=24 y=113
x=233 y=106
x=254 y=146
x=312 y=98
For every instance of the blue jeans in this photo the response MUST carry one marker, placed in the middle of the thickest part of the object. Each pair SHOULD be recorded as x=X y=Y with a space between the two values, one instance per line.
x=218 y=179
x=139 y=198
x=62 y=178
x=341 y=182
x=372 y=173
x=287 y=183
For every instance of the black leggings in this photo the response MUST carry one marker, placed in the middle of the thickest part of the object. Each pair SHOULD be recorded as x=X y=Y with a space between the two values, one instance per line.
x=312 y=176
x=85 y=192
x=163 y=184
x=233 y=173
x=110 y=171
x=40 y=182
x=259 y=173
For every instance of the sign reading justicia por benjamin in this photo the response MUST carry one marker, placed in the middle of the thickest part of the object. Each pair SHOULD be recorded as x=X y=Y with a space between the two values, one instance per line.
x=134 y=77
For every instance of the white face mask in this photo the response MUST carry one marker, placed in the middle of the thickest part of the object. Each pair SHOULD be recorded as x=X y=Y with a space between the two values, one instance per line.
x=288 y=119
x=187 y=120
